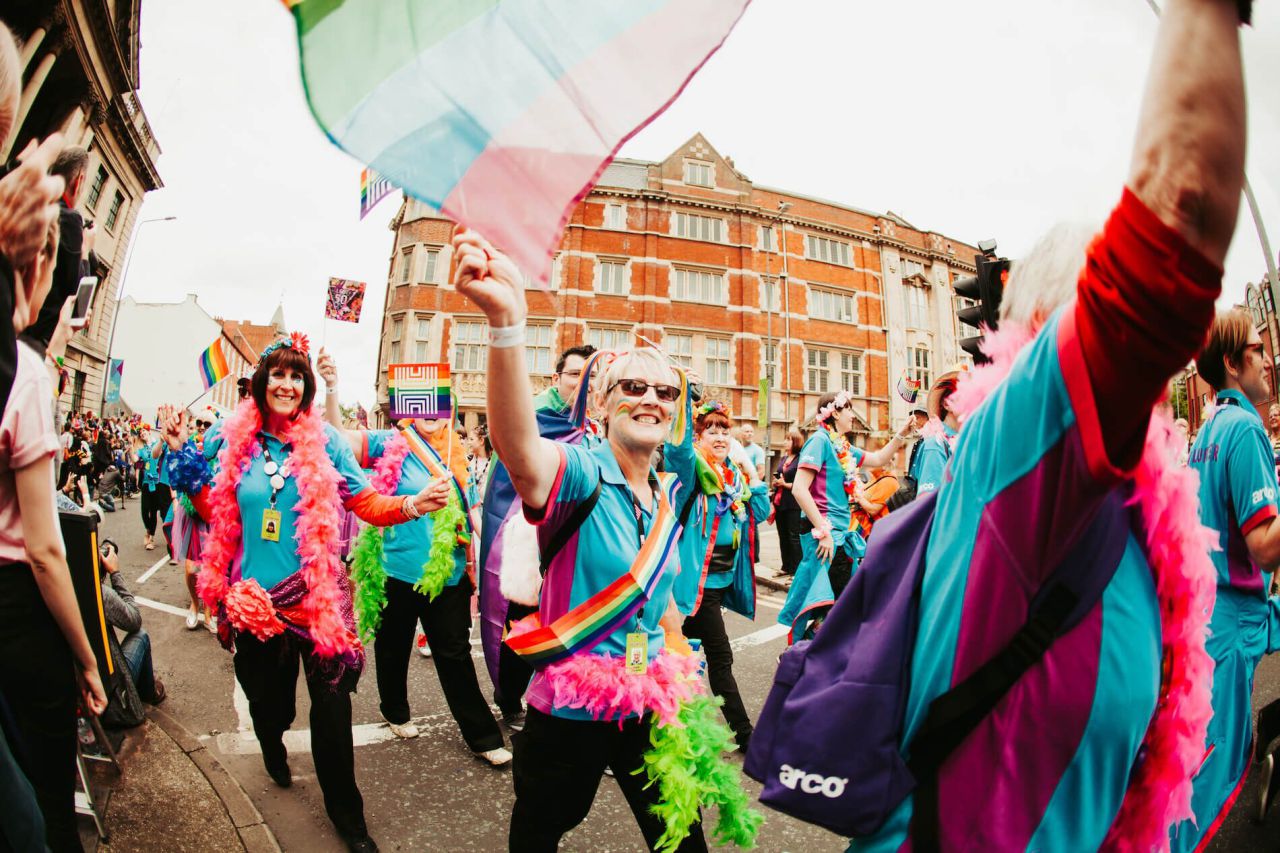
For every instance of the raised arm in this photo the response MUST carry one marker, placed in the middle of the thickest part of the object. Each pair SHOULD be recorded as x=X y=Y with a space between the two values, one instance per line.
x=328 y=370
x=492 y=282
x=882 y=457
x=1188 y=159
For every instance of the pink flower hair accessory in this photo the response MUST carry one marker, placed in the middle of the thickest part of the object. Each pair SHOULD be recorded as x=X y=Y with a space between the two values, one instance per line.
x=842 y=399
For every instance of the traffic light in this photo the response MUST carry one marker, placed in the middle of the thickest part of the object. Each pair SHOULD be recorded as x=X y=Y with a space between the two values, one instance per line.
x=986 y=289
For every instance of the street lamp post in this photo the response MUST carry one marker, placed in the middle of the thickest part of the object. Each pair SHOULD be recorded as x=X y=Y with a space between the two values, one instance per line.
x=115 y=316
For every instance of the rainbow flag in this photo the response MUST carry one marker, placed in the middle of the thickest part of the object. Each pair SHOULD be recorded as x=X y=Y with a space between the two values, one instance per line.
x=908 y=388
x=213 y=365
x=468 y=104
x=373 y=189
x=419 y=391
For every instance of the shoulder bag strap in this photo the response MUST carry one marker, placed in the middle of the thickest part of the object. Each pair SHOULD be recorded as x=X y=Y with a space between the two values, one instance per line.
x=565 y=532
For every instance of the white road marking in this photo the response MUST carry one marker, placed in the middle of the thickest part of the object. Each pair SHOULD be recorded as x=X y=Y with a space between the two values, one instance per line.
x=757 y=638
x=162 y=607
x=245 y=742
x=241 y=703
x=146 y=576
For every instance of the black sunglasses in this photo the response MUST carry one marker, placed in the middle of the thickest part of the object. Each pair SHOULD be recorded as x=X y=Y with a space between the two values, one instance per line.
x=638 y=388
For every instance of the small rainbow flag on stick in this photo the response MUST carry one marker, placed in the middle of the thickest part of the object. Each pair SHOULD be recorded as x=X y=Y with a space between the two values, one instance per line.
x=213 y=365
x=419 y=391
x=908 y=388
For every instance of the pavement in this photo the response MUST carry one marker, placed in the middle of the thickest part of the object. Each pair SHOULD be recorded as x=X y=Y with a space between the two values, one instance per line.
x=193 y=776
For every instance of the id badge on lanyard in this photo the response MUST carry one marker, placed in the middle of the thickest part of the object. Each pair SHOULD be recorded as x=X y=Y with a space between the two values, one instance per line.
x=271 y=524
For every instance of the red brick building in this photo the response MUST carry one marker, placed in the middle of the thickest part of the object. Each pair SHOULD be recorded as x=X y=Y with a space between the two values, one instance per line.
x=727 y=276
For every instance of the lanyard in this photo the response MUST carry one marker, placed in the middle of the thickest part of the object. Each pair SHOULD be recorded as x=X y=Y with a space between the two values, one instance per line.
x=277 y=475
x=635 y=509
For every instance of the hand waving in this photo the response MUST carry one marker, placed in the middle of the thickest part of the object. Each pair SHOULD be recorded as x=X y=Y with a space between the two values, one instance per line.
x=174 y=426
x=489 y=279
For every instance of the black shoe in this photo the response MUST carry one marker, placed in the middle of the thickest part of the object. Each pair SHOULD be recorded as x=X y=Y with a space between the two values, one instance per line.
x=743 y=740
x=514 y=722
x=276 y=759
x=1268 y=729
x=1268 y=788
x=363 y=844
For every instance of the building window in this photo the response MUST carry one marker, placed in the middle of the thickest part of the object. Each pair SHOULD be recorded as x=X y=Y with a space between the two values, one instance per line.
x=406 y=265
x=963 y=302
x=697 y=173
x=917 y=299
x=424 y=328
x=851 y=372
x=769 y=294
x=766 y=239
x=114 y=213
x=397 y=333
x=612 y=278
x=828 y=251
x=695 y=227
x=537 y=349
x=817 y=372
x=1267 y=298
x=910 y=268
x=831 y=305
x=470 y=347
x=603 y=337
x=680 y=348
x=433 y=260
x=771 y=364
x=95 y=191
x=718 y=360
x=420 y=350
x=918 y=366
x=699 y=286
x=615 y=216
x=422 y=339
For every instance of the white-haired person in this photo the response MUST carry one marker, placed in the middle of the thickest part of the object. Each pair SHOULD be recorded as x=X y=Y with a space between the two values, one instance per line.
x=826 y=481
x=614 y=685
x=1062 y=476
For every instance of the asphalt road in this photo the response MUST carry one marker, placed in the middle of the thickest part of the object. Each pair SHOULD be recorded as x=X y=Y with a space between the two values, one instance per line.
x=430 y=793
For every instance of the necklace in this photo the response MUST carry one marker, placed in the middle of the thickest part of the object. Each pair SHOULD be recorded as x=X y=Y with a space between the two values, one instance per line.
x=278 y=472
x=845 y=457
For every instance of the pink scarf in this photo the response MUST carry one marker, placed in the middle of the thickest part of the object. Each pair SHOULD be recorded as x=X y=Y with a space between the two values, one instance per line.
x=1177 y=546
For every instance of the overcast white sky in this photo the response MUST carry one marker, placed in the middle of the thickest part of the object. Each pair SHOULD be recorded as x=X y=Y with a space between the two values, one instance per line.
x=994 y=118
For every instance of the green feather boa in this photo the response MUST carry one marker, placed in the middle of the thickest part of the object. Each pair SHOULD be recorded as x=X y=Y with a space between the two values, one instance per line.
x=187 y=506
x=368 y=582
x=369 y=573
x=686 y=763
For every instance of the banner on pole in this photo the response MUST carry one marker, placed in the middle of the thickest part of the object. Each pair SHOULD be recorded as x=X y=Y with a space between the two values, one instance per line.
x=115 y=373
x=762 y=407
x=419 y=391
x=346 y=299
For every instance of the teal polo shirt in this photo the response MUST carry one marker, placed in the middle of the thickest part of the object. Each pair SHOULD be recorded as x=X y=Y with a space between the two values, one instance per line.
x=600 y=552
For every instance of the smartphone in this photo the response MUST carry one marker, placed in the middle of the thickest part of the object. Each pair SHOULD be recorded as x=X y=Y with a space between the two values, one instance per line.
x=84 y=301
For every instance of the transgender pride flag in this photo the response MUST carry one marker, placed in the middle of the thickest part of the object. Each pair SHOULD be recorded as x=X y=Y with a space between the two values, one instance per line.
x=500 y=113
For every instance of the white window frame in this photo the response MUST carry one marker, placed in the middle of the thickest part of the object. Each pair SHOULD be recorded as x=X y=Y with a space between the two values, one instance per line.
x=431 y=266
x=916 y=303
x=817 y=365
x=695 y=226
x=539 y=340
x=850 y=371
x=679 y=345
x=910 y=267
x=609 y=337
x=405 y=273
x=828 y=250
x=769 y=288
x=699 y=173
x=618 y=280
x=113 y=213
x=717 y=370
x=615 y=216
x=769 y=351
x=705 y=287
x=470 y=345
x=395 y=338
x=768 y=239
x=919 y=365
x=962 y=302
x=836 y=306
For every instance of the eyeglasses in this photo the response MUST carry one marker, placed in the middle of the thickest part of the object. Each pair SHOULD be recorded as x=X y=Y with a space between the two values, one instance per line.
x=638 y=388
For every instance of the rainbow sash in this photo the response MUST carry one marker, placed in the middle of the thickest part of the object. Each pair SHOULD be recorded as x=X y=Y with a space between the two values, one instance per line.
x=430 y=457
x=584 y=626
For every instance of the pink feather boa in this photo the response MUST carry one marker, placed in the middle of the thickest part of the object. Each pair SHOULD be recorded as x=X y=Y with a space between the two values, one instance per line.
x=602 y=685
x=390 y=465
x=318 y=521
x=1177 y=546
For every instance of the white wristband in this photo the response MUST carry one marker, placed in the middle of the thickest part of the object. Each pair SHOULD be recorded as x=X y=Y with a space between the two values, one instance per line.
x=504 y=337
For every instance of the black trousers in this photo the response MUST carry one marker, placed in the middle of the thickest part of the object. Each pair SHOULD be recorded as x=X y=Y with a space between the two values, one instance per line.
x=38 y=683
x=788 y=524
x=513 y=673
x=155 y=503
x=841 y=572
x=268 y=672
x=447 y=624
x=558 y=767
x=707 y=625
